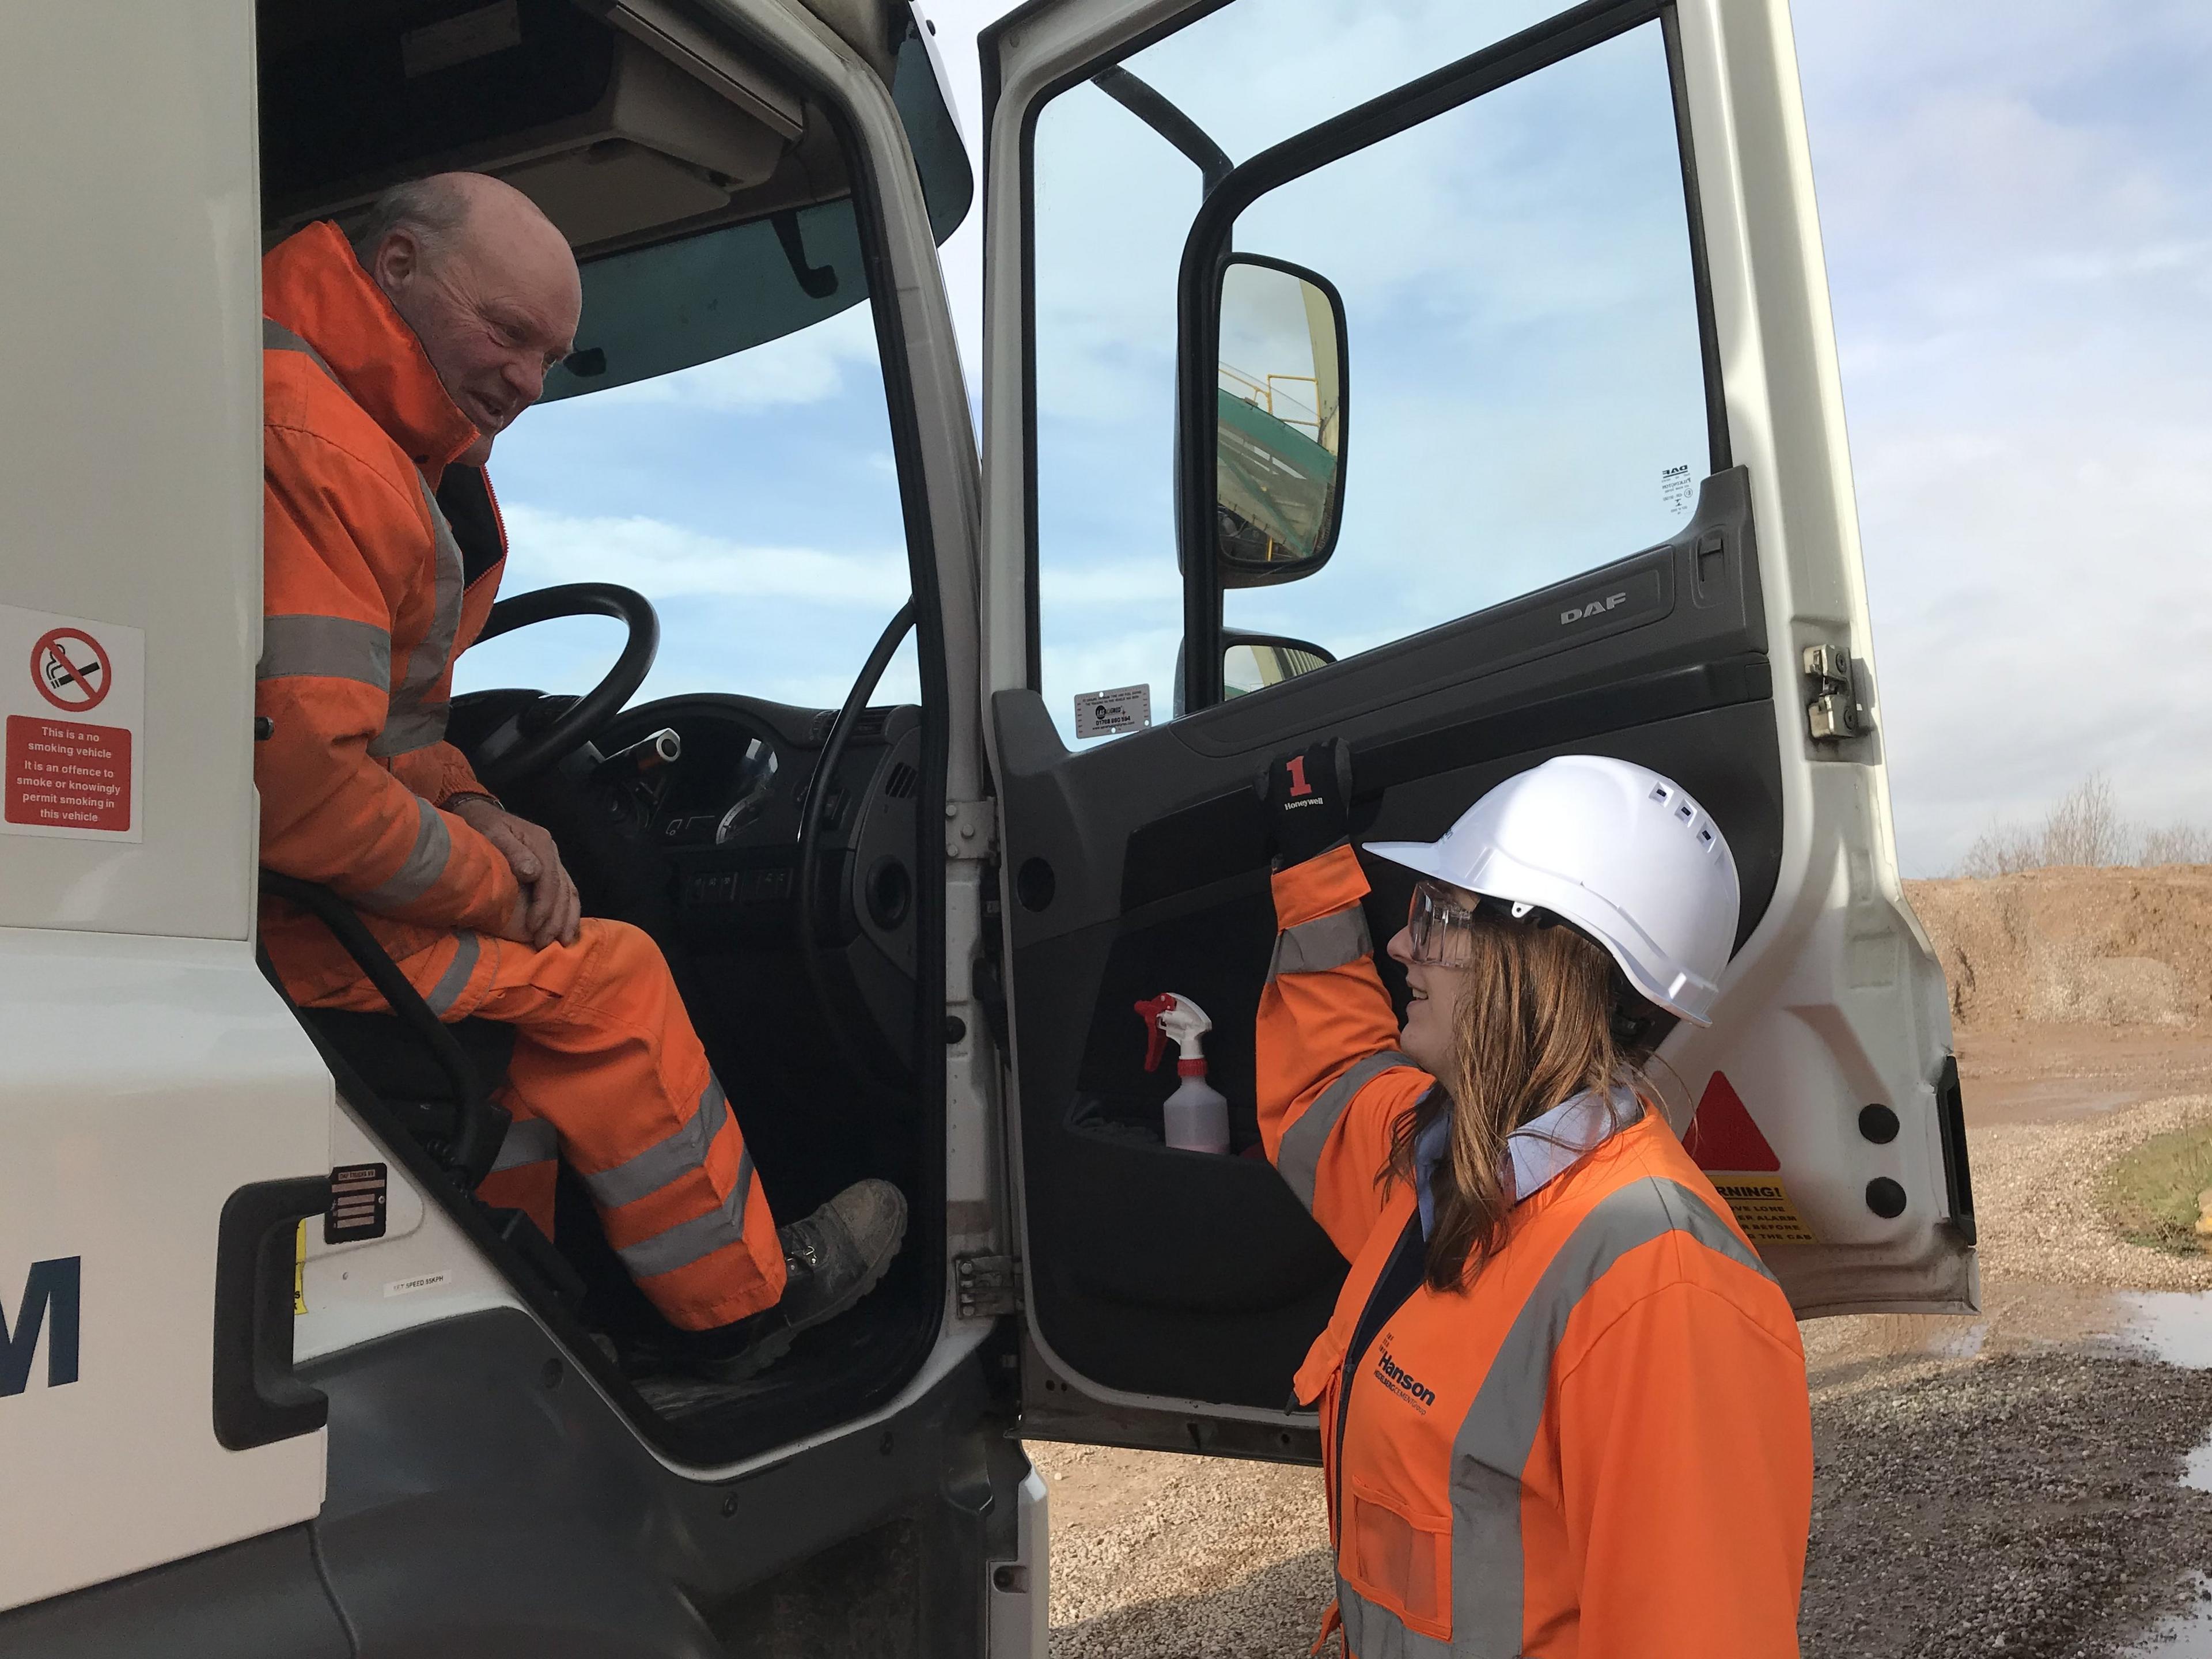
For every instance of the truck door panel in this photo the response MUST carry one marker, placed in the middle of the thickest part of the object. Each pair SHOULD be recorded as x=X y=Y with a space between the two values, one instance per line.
x=1172 y=1294
x=1162 y=842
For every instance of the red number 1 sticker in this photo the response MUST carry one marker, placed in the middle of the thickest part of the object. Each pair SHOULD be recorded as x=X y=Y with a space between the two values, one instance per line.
x=1298 y=784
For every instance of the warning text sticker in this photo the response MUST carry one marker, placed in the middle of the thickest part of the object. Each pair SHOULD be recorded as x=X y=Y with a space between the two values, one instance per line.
x=65 y=776
x=73 y=700
x=1762 y=1208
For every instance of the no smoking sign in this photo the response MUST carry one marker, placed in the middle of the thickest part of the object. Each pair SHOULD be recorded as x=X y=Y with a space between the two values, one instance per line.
x=73 y=694
x=71 y=670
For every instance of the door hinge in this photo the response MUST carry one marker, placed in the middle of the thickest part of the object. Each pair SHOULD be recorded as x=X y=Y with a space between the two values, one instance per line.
x=971 y=828
x=989 y=1284
x=1835 y=712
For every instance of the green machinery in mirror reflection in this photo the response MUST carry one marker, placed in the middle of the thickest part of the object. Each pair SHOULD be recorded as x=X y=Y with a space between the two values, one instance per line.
x=1274 y=482
x=1278 y=415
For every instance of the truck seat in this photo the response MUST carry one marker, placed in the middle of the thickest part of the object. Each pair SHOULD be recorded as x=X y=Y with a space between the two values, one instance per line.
x=396 y=1063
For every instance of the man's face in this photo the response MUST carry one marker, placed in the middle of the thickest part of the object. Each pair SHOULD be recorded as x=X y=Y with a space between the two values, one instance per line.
x=493 y=316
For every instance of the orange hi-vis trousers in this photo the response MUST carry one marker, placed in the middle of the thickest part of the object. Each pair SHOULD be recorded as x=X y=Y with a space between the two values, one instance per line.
x=608 y=1073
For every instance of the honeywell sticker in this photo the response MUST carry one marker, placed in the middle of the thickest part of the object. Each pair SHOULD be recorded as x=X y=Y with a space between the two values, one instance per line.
x=73 y=699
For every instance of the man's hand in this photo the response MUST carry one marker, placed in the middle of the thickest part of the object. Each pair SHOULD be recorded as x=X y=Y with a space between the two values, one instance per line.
x=549 y=909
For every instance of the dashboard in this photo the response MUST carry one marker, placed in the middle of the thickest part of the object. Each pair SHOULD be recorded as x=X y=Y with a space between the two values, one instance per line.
x=723 y=818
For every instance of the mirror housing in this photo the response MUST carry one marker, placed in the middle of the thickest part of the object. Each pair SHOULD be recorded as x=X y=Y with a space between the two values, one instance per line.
x=1280 y=386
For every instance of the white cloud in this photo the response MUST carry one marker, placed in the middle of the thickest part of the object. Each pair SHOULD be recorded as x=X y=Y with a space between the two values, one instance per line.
x=668 y=561
x=2017 y=247
x=809 y=367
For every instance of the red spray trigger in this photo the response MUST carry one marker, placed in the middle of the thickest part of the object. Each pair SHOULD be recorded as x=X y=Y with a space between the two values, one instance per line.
x=1156 y=1040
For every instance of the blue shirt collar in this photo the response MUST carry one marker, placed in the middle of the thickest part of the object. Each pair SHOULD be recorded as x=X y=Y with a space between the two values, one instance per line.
x=1539 y=1151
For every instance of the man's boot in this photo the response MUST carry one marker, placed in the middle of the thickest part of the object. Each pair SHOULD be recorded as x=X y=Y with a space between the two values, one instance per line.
x=831 y=1259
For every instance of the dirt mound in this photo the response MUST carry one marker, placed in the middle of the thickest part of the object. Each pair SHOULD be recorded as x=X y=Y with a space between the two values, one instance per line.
x=2099 y=947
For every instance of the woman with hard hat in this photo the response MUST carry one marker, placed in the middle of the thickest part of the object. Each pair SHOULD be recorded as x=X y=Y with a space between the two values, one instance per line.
x=1563 y=1406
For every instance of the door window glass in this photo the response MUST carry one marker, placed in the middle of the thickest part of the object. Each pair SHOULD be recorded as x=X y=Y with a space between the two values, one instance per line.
x=753 y=500
x=1526 y=396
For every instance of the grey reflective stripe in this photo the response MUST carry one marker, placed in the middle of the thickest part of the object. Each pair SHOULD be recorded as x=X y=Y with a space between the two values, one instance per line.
x=1374 y=1633
x=455 y=980
x=275 y=337
x=425 y=863
x=1496 y=1438
x=528 y=1140
x=671 y=1159
x=404 y=732
x=688 y=1242
x=417 y=717
x=329 y=647
x=1329 y=941
x=1299 y=1156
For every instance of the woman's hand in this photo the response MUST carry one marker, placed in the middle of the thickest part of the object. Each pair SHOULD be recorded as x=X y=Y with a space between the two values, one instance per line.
x=1308 y=796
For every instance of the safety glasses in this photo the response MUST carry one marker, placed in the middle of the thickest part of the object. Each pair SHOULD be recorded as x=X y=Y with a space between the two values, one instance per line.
x=1439 y=928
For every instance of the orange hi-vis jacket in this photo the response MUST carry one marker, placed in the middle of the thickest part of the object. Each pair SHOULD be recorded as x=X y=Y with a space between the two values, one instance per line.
x=366 y=605
x=1600 y=1448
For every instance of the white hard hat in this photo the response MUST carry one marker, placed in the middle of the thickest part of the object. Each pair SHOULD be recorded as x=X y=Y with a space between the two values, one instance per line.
x=1619 y=852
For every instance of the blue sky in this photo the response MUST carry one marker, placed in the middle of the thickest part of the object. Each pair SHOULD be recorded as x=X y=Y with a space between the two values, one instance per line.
x=2018 y=232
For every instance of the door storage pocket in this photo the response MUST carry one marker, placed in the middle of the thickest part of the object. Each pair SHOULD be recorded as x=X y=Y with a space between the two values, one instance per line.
x=1400 y=1559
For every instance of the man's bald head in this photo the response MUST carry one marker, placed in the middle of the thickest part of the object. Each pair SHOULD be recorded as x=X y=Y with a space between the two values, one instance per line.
x=486 y=282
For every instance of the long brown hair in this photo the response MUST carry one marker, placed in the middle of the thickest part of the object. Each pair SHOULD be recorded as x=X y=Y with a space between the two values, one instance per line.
x=1534 y=1027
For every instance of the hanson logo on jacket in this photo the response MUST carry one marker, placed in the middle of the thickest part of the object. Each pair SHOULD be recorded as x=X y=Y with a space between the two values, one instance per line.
x=1416 y=1394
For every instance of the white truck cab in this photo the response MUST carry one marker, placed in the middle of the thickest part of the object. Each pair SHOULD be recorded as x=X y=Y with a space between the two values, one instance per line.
x=1455 y=378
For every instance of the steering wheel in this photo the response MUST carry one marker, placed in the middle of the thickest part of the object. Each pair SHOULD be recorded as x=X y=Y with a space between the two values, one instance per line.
x=849 y=1046
x=522 y=747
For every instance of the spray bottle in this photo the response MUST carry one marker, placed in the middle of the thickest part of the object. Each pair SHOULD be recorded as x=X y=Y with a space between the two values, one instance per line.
x=1197 y=1113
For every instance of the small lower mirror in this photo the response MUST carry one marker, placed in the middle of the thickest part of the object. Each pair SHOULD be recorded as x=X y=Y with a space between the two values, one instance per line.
x=1253 y=662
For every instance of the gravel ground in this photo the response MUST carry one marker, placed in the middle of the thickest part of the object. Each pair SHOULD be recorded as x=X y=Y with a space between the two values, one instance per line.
x=1981 y=1485
x=2019 y=1505
x=2035 y=1195
x=1173 y=1557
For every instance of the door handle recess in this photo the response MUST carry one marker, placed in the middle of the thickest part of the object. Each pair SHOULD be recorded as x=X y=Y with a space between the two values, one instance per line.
x=257 y=1399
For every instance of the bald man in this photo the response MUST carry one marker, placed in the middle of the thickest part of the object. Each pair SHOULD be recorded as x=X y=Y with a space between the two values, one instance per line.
x=391 y=366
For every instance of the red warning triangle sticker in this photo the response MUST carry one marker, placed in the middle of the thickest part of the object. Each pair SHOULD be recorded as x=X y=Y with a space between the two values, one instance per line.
x=1722 y=1135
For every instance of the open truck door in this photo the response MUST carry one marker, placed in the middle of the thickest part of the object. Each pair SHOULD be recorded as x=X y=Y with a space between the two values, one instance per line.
x=1487 y=352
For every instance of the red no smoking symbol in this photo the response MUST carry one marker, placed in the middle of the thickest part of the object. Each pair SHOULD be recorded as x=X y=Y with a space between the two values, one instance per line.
x=71 y=670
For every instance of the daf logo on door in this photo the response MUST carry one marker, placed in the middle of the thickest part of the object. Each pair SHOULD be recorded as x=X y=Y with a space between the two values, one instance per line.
x=1575 y=613
x=49 y=1307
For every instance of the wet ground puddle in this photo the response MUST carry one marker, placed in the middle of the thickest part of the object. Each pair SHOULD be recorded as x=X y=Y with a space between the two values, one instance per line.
x=2177 y=1327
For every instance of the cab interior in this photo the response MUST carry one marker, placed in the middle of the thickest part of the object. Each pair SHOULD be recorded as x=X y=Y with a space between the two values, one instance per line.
x=777 y=854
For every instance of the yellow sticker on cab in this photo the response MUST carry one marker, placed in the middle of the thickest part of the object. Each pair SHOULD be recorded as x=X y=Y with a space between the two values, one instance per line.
x=1762 y=1208
x=299 y=1270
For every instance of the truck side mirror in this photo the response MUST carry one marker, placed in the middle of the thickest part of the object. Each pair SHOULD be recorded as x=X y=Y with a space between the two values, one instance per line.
x=1279 y=421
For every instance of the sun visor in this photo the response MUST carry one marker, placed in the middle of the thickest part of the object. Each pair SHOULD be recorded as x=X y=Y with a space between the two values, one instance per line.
x=615 y=128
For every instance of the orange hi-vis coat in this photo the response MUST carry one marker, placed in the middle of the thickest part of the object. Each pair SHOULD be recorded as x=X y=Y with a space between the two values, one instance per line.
x=366 y=601
x=1600 y=1448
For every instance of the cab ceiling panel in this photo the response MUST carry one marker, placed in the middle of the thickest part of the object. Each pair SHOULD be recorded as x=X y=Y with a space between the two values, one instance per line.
x=624 y=120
